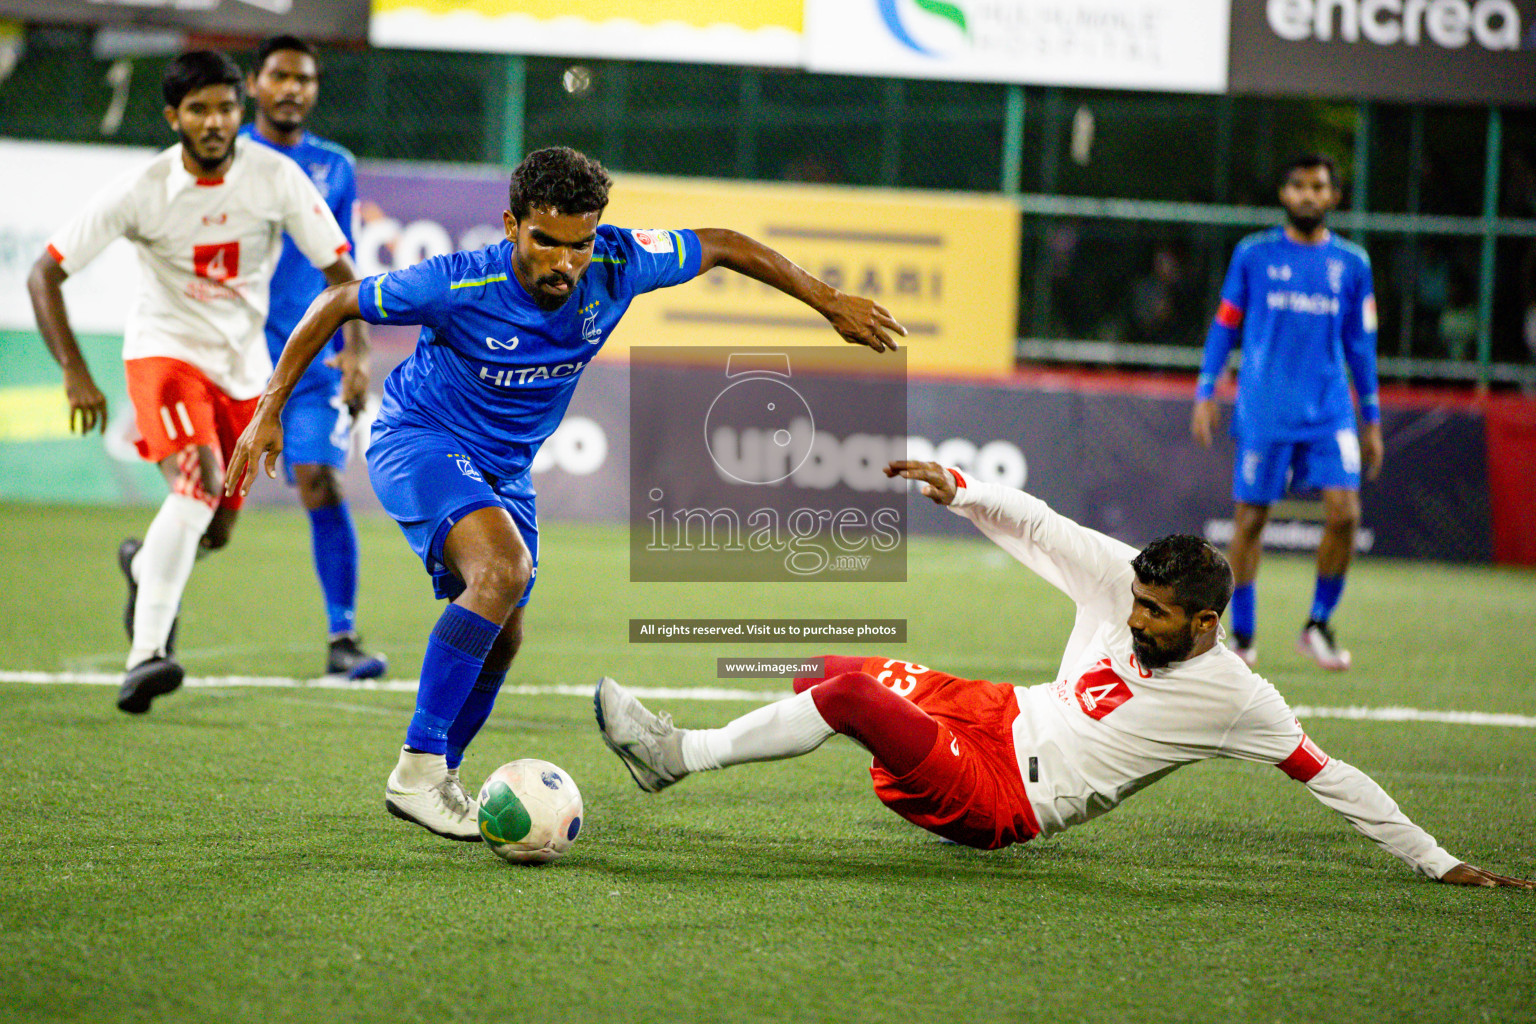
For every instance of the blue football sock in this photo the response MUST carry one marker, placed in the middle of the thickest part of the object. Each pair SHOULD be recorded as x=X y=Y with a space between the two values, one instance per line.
x=476 y=709
x=1244 y=614
x=1326 y=597
x=456 y=652
x=335 y=545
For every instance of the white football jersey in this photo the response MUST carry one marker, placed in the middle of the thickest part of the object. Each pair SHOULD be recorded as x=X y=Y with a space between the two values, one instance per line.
x=207 y=249
x=1106 y=727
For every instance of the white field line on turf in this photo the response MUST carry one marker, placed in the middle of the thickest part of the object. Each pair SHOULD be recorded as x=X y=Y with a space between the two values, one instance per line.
x=1387 y=714
x=383 y=686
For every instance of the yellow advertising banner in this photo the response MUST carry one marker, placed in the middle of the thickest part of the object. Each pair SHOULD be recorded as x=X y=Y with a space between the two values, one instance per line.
x=761 y=32
x=945 y=266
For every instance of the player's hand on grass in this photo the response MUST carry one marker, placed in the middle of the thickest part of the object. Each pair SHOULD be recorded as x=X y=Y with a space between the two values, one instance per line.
x=87 y=405
x=262 y=439
x=935 y=479
x=863 y=321
x=354 y=377
x=1372 y=451
x=1203 y=420
x=1467 y=874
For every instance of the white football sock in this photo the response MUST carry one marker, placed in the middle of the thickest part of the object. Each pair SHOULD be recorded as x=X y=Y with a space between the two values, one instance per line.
x=161 y=568
x=788 y=728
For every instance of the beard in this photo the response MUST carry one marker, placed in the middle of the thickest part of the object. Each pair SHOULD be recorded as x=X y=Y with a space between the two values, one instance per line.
x=1153 y=653
x=286 y=119
x=547 y=301
x=1307 y=223
x=205 y=162
x=544 y=300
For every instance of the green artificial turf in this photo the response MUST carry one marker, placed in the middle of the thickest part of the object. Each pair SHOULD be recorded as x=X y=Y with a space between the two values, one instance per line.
x=227 y=857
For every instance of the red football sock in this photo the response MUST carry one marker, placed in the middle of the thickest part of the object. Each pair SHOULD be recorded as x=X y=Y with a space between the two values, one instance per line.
x=899 y=733
x=832 y=665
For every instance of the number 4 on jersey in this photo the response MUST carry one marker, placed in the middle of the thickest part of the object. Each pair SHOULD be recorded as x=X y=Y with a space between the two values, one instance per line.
x=1101 y=690
x=218 y=262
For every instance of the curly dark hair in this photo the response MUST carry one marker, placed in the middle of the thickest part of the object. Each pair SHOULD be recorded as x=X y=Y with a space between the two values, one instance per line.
x=197 y=68
x=1199 y=574
x=560 y=179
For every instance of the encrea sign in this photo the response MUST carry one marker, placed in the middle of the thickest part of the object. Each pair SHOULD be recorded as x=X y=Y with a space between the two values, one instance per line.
x=1455 y=51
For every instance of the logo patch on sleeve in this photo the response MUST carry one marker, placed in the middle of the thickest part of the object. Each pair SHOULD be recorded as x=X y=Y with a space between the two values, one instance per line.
x=653 y=239
x=1305 y=761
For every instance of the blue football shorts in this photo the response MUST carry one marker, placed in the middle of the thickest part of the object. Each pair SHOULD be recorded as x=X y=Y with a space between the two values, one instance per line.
x=427 y=483
x=1264 y=470
x=317 y=425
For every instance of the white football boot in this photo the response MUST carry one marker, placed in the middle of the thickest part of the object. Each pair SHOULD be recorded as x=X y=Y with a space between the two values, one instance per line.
x=421 y=791
x=1316 y=642
x=650 y=745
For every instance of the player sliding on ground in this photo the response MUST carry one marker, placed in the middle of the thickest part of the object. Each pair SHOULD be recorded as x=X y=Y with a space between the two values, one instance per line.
x=1144 y=687
x=506 y=333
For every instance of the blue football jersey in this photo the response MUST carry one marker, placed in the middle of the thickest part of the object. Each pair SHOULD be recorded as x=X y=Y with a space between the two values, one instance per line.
x=1305 y=312
x=296 y=282
x=490 y=367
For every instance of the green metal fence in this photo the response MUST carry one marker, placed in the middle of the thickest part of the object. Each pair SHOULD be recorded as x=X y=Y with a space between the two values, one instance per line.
x=1131 y=202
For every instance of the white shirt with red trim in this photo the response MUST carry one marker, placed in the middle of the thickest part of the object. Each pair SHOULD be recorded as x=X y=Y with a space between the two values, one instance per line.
x=1106 y=727
x=207 y=250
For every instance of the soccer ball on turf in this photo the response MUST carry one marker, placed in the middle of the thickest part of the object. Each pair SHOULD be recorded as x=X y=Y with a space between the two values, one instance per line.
x=530 y=811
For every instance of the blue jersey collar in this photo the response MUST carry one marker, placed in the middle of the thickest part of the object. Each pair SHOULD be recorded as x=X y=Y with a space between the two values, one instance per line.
x=1309 y=246
x=250 y=131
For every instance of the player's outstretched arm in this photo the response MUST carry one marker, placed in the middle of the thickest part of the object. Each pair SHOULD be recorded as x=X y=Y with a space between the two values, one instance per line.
x=935 y=479
x=352 y=360
x=1268 y=726
x=1467 y=874
x=1084 y=564
x=263 y=436
x=859 y=320
x=87 y=405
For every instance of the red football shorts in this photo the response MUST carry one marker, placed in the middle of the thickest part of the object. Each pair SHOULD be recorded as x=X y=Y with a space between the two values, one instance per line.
x=968 y=788
x=176 y=406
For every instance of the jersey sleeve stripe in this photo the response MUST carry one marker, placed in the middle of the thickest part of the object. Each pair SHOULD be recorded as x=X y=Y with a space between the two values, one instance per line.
x=343 y=248
x=476 y=282
x=378 y=297
x=1229 y=315
x=1305 y=761
x=58 y=256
